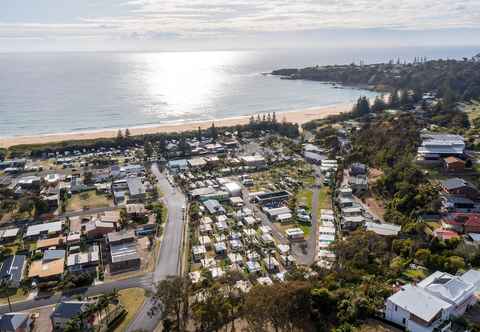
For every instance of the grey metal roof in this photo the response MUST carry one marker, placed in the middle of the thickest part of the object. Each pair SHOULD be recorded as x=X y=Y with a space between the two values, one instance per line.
x=11 y=322
x=51 y=255
x=68 y=309
x=454 y=183
x=135 y=186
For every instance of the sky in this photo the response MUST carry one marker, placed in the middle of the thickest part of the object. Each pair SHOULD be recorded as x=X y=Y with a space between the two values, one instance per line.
x=48 y=25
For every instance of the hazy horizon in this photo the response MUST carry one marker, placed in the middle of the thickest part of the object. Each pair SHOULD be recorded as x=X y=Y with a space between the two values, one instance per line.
x=190 y=25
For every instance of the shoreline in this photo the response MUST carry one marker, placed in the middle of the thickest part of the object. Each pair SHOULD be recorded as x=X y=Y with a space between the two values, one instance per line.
x=298 y=116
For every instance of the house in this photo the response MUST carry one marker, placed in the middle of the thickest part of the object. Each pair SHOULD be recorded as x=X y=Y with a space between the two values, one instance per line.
x=135 y=210
x=276 y=197
x=84 y=261
x=460 y=187
x=123 y=251
x=197 y=163
x=452 y=203
x=429 y=305
x=214 y=207
x=253 y=161
x=49 y=270
x=352 y=222
x=54 y=242
x=454 y=164
x=44 y=230
x=220 y=248
x=233 y=189
x=67 y=310
x=198 y=252
x=29 y=182
x=358 y=169
x=15 y=322
x=444 y=234
x=295 y=234
x=383 y=229
x=12 y=268
x=436 y=146
x=417 y=310
x=96 y=228
x=358 y=183
x=8 y=234
x=136 y=189
x=462 y=222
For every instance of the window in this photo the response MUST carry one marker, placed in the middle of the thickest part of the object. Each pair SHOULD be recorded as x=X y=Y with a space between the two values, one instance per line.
x=403 y=321
x=396 y=308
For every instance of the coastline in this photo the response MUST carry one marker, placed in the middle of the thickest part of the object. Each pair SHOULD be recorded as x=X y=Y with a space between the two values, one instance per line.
x=299 y=116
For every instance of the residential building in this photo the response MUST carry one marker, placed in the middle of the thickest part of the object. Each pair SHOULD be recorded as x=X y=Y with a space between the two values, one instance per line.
x=12 y=269
x=67 y=310
x=84 y=261
x=123 y=251
x=136 y=189
x=462 y=222
x=276 y=197
x=44 y=230
x=383 y=228
x=436 y=146
x=8 y=234
x=460 y=187
x=430 y=304
x=16 y=322
x=454 y=164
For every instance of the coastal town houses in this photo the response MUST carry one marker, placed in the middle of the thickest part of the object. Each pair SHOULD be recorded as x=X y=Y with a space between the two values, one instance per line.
x=429 y=305
x=435 y=147
x=16 y=322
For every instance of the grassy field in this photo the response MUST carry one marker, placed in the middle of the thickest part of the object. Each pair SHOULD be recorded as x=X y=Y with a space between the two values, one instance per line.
x=132 y=299
x=473 y=110
x=305 y=197
x=88 y=199
x=324 y=199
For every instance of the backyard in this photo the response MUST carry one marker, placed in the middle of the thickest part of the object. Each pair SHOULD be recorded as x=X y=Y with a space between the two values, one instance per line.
x=88 y=199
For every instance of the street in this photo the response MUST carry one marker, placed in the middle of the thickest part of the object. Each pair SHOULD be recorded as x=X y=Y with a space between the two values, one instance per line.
x=169 y=259
x=144 y=281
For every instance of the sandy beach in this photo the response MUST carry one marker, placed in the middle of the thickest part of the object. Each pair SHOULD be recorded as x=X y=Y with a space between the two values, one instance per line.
x=299 y=117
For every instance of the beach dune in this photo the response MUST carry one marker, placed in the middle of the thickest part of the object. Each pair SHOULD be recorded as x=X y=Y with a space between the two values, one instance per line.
x=300 y=117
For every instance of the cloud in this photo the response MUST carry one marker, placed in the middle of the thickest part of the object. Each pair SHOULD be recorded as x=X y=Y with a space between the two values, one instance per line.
x=198 y=18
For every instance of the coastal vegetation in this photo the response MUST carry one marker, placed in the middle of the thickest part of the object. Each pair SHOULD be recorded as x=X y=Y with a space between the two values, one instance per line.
x=458 y=79
x=255 y=128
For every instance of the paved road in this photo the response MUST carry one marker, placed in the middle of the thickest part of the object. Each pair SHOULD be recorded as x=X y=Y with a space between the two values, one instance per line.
x=169 y=259
x=144 y=281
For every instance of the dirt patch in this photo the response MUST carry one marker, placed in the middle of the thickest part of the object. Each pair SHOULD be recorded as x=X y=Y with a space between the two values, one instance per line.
x=375 y=205
x=42 y=319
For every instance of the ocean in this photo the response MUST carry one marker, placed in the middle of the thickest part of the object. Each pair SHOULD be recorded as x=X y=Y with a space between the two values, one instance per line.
x=46 y=93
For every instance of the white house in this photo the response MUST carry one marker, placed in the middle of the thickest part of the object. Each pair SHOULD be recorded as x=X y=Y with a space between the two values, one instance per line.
x=431 y=303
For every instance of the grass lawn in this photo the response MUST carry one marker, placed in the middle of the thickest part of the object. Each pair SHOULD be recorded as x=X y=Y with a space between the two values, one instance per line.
x=324 y=199
x=307 y=229
x=132 y=299
x=304 y=197
x=88 y=199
